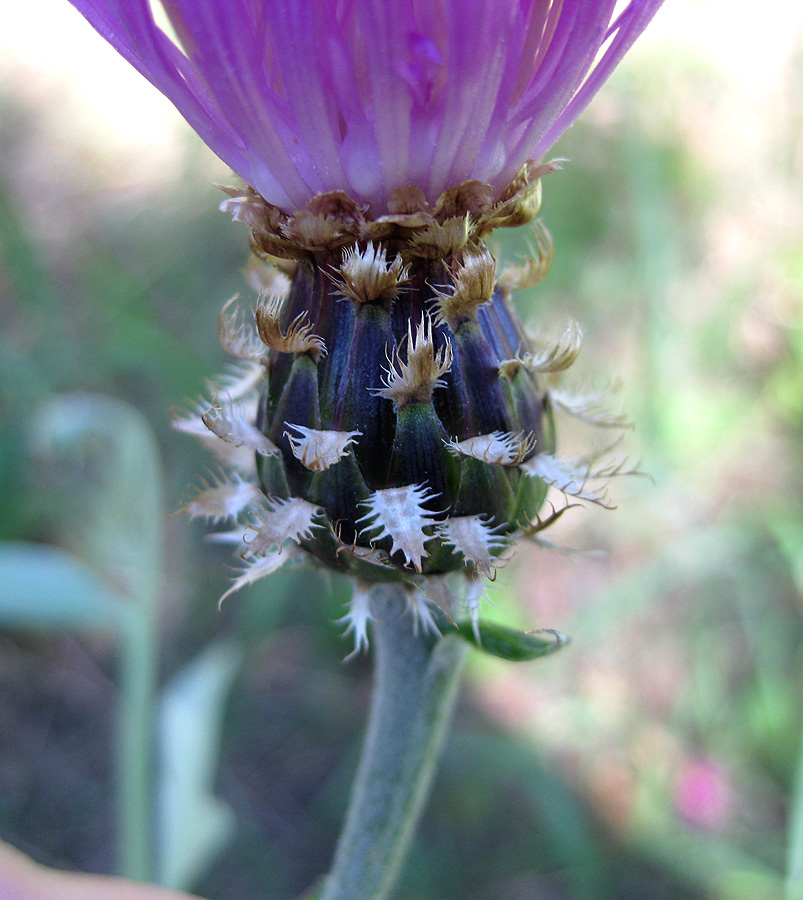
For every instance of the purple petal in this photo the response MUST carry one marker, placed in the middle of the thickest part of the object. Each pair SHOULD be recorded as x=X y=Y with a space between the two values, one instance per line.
x=623 y=33
x=302 y=96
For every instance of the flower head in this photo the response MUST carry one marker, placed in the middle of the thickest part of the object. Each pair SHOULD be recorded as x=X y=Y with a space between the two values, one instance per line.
x=389 y=409
x=367 y=96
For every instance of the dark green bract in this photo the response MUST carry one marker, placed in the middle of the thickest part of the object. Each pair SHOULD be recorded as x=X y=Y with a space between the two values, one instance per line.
x=412 y=441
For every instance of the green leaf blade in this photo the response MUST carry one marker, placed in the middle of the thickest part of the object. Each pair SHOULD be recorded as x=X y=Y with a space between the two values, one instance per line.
x=510 y=643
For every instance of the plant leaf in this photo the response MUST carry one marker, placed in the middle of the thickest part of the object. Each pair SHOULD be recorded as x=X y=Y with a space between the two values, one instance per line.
x=44 y=587
x=509 y=643
x=194 y=824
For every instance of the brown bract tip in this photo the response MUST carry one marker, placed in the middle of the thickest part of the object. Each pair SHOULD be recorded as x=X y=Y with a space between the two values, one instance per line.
x=414 y=380
x=337 y=205
x=298 y=338
x=474 y=198
x=407 y=200
x=530 y=272
x=265 y=277
x=334 y=219
x=319 y=233
x=367 y=277
x=473 y=283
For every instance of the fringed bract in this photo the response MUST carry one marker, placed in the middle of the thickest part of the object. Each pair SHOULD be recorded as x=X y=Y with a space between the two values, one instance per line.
x=497 y=448
x=473 y=285
x=400 y=515
x=237 y=336
x=414 y=379
x=367 y=276
x=297 y=338
x=591 y=408
x=318 y=450
x=549 y=357
x=475 y=540
x=280 y=521
x=221 y=498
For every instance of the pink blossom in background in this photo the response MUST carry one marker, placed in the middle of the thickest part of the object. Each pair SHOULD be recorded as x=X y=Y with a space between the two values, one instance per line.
x=304 y=96
x=703 y=795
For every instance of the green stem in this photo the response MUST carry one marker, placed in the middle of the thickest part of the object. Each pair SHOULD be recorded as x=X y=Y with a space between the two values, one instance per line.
x=415 y=687
x=135 y=737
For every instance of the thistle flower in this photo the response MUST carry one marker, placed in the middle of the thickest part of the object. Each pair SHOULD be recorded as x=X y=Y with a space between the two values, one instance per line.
x=387 y=396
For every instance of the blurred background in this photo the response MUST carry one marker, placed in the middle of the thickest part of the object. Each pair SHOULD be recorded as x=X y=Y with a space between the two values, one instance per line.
x=143 y=729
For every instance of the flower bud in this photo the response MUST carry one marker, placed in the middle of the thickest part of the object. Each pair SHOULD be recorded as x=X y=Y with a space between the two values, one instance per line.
x=393 y=405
